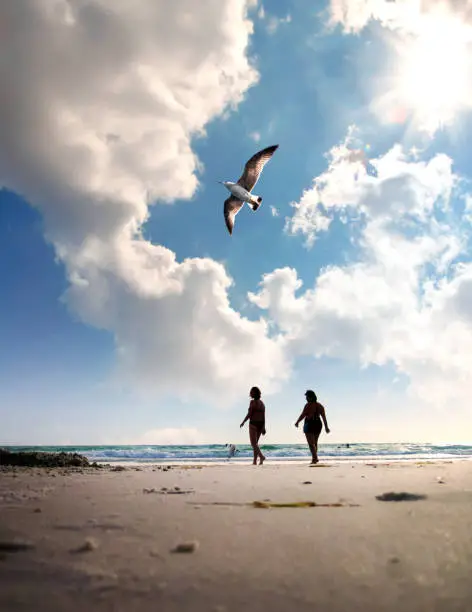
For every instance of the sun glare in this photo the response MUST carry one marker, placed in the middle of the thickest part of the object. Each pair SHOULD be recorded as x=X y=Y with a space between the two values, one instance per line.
x=434 y=75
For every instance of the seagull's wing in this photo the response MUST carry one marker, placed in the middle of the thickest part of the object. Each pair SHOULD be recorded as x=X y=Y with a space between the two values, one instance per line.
x=232 y=207
x=254 y=166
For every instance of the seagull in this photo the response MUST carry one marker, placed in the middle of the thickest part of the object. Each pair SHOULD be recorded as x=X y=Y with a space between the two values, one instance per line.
x=241 y=191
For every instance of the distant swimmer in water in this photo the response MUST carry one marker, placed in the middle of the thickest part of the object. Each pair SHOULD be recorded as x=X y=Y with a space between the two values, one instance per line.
x=232 y=450
x=313 y=412
x=256 y=416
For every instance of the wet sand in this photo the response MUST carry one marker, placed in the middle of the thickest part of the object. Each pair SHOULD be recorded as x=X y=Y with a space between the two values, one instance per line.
x=191 y=538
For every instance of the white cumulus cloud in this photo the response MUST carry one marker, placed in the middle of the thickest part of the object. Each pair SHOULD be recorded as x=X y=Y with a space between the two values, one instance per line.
x=425 y=80
x=406 y=299
x=99 y=103
x=404 y=15
x=401 y=188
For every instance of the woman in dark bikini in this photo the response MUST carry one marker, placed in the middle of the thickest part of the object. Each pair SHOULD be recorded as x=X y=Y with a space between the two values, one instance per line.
x=256 y=416
x=313 y=412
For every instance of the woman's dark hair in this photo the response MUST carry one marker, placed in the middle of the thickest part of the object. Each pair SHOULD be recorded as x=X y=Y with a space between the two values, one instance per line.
x=255 y=393
x=311 y=396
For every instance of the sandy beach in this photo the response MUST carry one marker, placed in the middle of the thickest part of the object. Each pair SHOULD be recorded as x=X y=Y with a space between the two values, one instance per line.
x=191 y=538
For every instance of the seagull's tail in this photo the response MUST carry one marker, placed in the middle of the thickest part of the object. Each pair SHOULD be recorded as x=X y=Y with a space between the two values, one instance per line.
x=256 y=203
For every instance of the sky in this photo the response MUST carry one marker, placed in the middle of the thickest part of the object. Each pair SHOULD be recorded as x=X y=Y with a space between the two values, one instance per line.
x=129 y=315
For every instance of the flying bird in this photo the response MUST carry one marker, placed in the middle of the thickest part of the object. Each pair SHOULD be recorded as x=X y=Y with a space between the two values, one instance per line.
x=241 y=191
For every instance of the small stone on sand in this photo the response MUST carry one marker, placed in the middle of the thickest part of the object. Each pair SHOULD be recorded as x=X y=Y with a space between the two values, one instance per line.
x=186 y=547
x=89 y=545
x=307 y=482
x=156 y=554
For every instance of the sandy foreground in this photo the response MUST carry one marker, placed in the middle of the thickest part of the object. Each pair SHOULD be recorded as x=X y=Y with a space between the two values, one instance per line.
x=105 y=540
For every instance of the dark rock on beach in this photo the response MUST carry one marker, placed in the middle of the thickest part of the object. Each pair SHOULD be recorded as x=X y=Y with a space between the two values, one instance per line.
x=11 y=546
x=42 y=459
x=396 y=497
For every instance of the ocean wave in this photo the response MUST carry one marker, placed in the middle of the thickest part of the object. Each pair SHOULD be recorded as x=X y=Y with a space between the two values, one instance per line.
x=286 y=452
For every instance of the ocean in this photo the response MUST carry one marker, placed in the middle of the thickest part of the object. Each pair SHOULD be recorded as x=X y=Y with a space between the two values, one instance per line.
x=210 y=453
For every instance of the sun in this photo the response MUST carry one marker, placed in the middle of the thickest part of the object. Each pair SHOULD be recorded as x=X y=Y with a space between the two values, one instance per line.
x=434 y=70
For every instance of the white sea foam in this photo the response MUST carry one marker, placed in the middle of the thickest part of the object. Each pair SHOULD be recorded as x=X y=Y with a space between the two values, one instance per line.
x=276 y=452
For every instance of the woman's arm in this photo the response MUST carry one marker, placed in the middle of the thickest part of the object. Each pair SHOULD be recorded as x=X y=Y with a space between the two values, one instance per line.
x=323 y=416
x=248 y=415
x=302 y=416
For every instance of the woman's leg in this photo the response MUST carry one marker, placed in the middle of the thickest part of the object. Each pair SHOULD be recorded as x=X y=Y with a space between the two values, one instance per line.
x=311 y=440
x=316 y=436
x=254 y=439
x=261 y=456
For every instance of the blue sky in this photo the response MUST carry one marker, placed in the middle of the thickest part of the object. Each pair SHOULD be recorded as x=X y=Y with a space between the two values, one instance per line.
x=104 y=338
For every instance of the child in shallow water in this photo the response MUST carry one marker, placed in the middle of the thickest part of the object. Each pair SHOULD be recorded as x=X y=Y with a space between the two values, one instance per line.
x=232 y=450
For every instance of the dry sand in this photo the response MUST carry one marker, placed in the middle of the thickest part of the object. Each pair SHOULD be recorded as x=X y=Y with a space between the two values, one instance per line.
x=104 y=540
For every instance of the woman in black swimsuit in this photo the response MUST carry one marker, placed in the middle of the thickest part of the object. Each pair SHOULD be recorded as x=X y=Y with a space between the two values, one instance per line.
x=256 y=416
x=313 y=412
